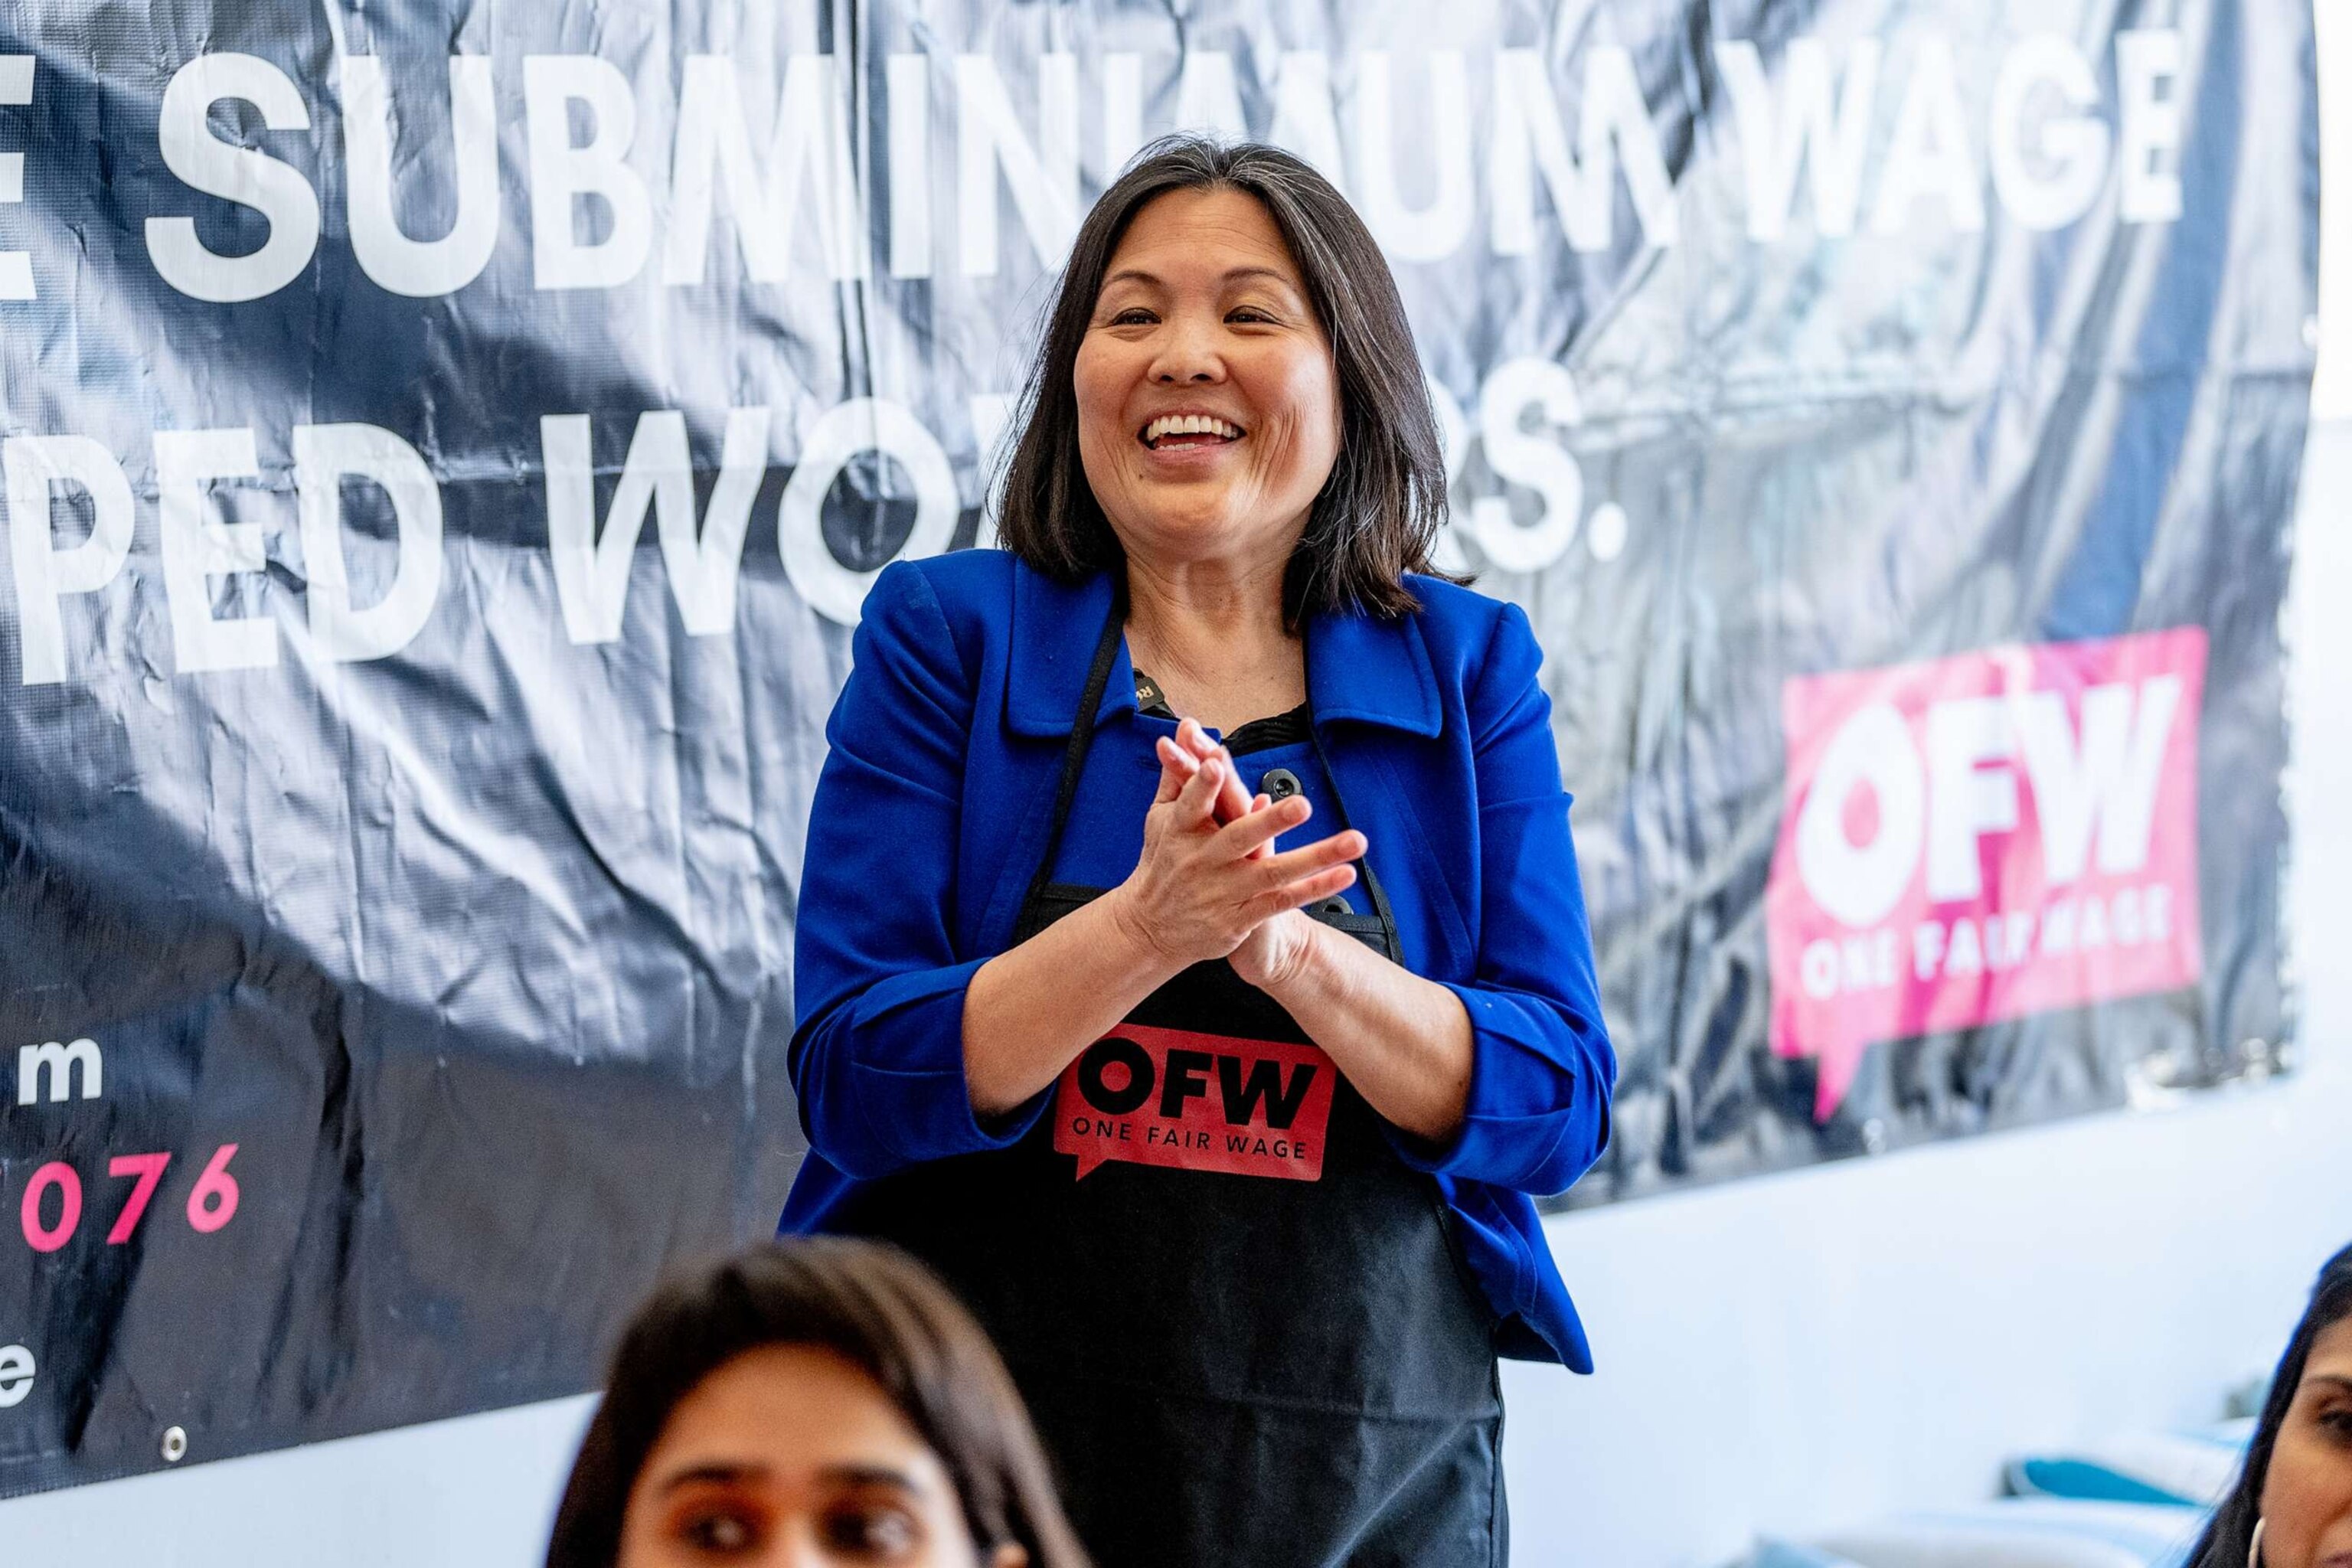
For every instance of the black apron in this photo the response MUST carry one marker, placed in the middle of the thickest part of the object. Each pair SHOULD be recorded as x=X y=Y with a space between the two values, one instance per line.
x=1239 y=1319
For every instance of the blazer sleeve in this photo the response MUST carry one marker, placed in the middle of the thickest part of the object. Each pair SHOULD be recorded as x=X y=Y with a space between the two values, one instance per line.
x=877 y=1056
x=1542 y=1069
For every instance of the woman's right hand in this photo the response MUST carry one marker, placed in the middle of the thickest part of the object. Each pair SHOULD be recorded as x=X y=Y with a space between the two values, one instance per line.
x=1201 y=885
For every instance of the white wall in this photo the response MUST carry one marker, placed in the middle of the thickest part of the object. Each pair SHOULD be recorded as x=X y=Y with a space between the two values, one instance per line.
x=476 y=1492
x=1780 y=1355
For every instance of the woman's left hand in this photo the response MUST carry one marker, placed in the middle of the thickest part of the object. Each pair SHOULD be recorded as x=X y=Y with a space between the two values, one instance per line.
x=1402 y=1041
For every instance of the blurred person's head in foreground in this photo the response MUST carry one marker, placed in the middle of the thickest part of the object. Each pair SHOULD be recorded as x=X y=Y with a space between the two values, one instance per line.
x=2291 y=1507
x=818 y=1401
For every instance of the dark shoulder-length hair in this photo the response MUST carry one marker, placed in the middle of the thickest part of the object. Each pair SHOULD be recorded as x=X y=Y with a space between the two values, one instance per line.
x=864 y=1300
x=2230 y=1534
x=1378 y=515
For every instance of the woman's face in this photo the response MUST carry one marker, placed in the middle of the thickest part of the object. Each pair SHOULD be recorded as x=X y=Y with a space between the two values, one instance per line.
x=792 y=1455
x=1208 y=400
x=2307 y=1495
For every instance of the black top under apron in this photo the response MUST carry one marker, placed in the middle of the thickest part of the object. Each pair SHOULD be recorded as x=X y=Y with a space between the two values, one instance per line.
x=1257 y=735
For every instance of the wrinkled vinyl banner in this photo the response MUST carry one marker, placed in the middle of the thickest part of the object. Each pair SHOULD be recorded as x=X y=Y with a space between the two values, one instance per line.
x=445 y=450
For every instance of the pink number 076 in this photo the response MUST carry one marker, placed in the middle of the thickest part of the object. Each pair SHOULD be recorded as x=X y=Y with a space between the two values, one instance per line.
x=212 y=1203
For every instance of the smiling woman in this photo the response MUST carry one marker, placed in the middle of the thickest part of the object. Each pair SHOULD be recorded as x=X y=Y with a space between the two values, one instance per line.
x=1230 y=1145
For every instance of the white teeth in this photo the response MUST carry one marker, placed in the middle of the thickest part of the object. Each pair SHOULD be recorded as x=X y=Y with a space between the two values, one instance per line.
x=1190 y=424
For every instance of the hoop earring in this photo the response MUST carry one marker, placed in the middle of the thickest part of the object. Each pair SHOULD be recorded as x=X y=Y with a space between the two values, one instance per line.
x=2254 y=1547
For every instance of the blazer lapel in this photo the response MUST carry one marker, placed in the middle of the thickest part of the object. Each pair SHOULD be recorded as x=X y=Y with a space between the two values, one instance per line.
x=1056 y=626
x=1371 y=671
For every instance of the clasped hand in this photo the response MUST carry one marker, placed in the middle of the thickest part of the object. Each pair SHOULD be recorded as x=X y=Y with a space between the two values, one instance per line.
x=1210 y=884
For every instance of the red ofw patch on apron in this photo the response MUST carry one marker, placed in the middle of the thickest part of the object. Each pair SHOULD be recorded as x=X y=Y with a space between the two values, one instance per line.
x=1189 y=1101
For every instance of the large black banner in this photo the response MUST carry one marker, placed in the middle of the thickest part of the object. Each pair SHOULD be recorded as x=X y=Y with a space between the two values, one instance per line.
x=445 y=449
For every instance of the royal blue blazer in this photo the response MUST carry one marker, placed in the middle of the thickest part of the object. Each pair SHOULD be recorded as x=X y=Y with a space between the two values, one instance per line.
x=932 y=809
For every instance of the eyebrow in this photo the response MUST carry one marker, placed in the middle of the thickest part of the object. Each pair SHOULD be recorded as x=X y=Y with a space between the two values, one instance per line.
x=2337 y=1378
x=698 y=1475
x=870 y=1475
x=1136 y=275
x=850 y=1475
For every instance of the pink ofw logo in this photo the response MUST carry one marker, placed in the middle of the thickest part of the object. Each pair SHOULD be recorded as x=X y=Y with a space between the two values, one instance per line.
x=1981 y=837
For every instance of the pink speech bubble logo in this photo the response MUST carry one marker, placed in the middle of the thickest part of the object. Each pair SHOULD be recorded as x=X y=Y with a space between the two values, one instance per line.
x=1982 y=838
x=1191 y=1101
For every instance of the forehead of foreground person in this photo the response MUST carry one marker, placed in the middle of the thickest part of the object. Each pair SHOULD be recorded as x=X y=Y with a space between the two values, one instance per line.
x=818 y=1400
x=1376 y=510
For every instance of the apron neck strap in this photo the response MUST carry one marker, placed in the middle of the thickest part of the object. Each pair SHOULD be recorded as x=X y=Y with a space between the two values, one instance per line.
x=1389 y=942
x=1082 y=734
